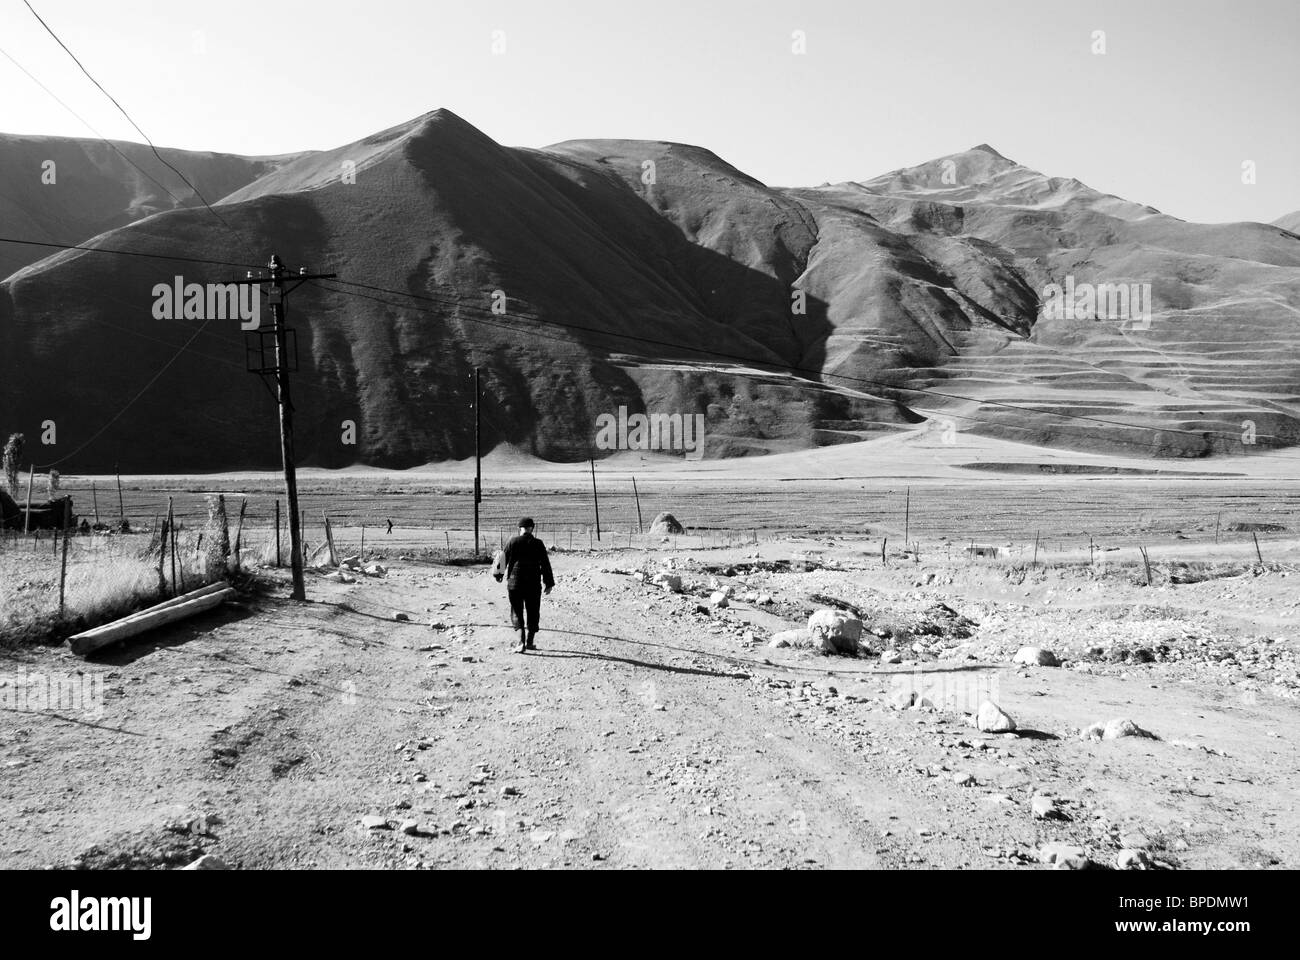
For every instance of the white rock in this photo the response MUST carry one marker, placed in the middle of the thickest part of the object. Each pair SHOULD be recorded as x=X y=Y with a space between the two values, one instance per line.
x=790 y=638
x=718 y=600
x=1115 y=729
x=1063 y=856
x=891 y=657
x=207 y=862
x=993 y=719
x=834 y=631
x=1036 y=657
x=1131 y=859
x=373 y=822
x=902 y=699
x=1045 y=808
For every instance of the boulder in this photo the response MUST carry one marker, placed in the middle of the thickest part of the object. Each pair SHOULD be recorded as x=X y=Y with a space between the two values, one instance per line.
x=1036 y=657
x=718 y=600
x=1114 y=729
x=670 y=582
x=993 y=719
x=790 y=638
x=666 y=524
x=891 y=657
x=834 y=631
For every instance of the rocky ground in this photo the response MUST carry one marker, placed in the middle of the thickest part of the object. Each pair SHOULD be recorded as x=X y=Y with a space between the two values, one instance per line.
x=656 y=728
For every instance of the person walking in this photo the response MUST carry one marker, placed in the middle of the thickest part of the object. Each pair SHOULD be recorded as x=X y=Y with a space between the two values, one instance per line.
x=526 y=570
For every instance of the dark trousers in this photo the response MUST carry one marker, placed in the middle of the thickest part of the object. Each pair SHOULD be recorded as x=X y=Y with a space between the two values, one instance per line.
x=524 y=601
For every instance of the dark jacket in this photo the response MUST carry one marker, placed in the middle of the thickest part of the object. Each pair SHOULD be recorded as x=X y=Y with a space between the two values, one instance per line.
x=527 y=563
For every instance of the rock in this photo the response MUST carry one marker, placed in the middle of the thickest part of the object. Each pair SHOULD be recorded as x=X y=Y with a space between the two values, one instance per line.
x=1036 y=657
x=1142 y=655
x=891 y=657
x=339 y=576
x=374 y=570
x=207 y=862
x=993 y=719
x=671 y=582
x=1045 y=808
x=402 y=617
x=790 y=638
x=665 y=523
x=1064 y=856
x=1136 y=841
x=1132 y=859
x=409 y=827
x=834 y=631
x=718 y=600
x=764 y=599
x=1114 y=729
x=964 y=779
x=902 y=699
x=509 y=791
x=373 y=822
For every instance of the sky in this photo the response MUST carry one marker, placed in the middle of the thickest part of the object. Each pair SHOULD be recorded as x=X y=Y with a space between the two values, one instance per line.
x=1185 y=93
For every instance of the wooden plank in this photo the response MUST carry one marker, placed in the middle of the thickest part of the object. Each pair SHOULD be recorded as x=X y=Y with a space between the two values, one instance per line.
x=92 y=640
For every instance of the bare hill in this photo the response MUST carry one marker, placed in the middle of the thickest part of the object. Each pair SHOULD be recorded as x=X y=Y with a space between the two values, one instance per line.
x=789 y=317
x=66 y=190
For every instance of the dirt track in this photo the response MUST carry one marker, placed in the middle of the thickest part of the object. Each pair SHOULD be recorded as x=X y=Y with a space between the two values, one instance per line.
x=643 y=734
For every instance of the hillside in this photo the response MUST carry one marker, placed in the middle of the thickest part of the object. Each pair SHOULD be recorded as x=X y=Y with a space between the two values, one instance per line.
x=93 y=187
x=674 y=295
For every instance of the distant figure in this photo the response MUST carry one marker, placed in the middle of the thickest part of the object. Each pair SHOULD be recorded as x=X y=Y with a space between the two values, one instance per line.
x=390 y=527
x=526 y=569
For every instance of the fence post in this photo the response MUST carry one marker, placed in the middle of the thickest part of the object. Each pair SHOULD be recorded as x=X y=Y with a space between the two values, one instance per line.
x=1258 y=555
x=63 y=573
x=277 y=533
x=239 y=533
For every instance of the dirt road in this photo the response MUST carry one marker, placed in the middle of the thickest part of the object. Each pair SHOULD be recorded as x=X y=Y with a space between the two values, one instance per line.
x=644 y=733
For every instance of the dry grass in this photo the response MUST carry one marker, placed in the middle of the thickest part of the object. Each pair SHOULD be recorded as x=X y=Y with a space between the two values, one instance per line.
x=108 y=577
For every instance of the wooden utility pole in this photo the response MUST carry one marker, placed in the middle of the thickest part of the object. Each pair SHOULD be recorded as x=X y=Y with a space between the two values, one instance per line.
x=478 y=457
x=27 y=517
x=594 y=498
x=283 y=363
x=121 y=506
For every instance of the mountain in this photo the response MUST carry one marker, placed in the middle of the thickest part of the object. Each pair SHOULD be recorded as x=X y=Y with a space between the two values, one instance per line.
x=64 y=190
x=1290 y=222
x=656 y=277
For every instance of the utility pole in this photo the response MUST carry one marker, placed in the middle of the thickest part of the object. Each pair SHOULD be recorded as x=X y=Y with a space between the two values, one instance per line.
x=478 y=457
x=595 y=499
x=284 y=360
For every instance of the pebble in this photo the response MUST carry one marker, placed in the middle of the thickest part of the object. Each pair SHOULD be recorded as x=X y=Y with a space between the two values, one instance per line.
x=373 y=822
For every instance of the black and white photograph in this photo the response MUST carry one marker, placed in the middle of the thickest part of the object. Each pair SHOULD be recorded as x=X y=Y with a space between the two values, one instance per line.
x=728 y=436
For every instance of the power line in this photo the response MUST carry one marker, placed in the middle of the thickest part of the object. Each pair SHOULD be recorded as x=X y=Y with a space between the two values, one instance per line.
x=117 y=416
x=122 y=110
x=128 y=253
x=110 y=143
